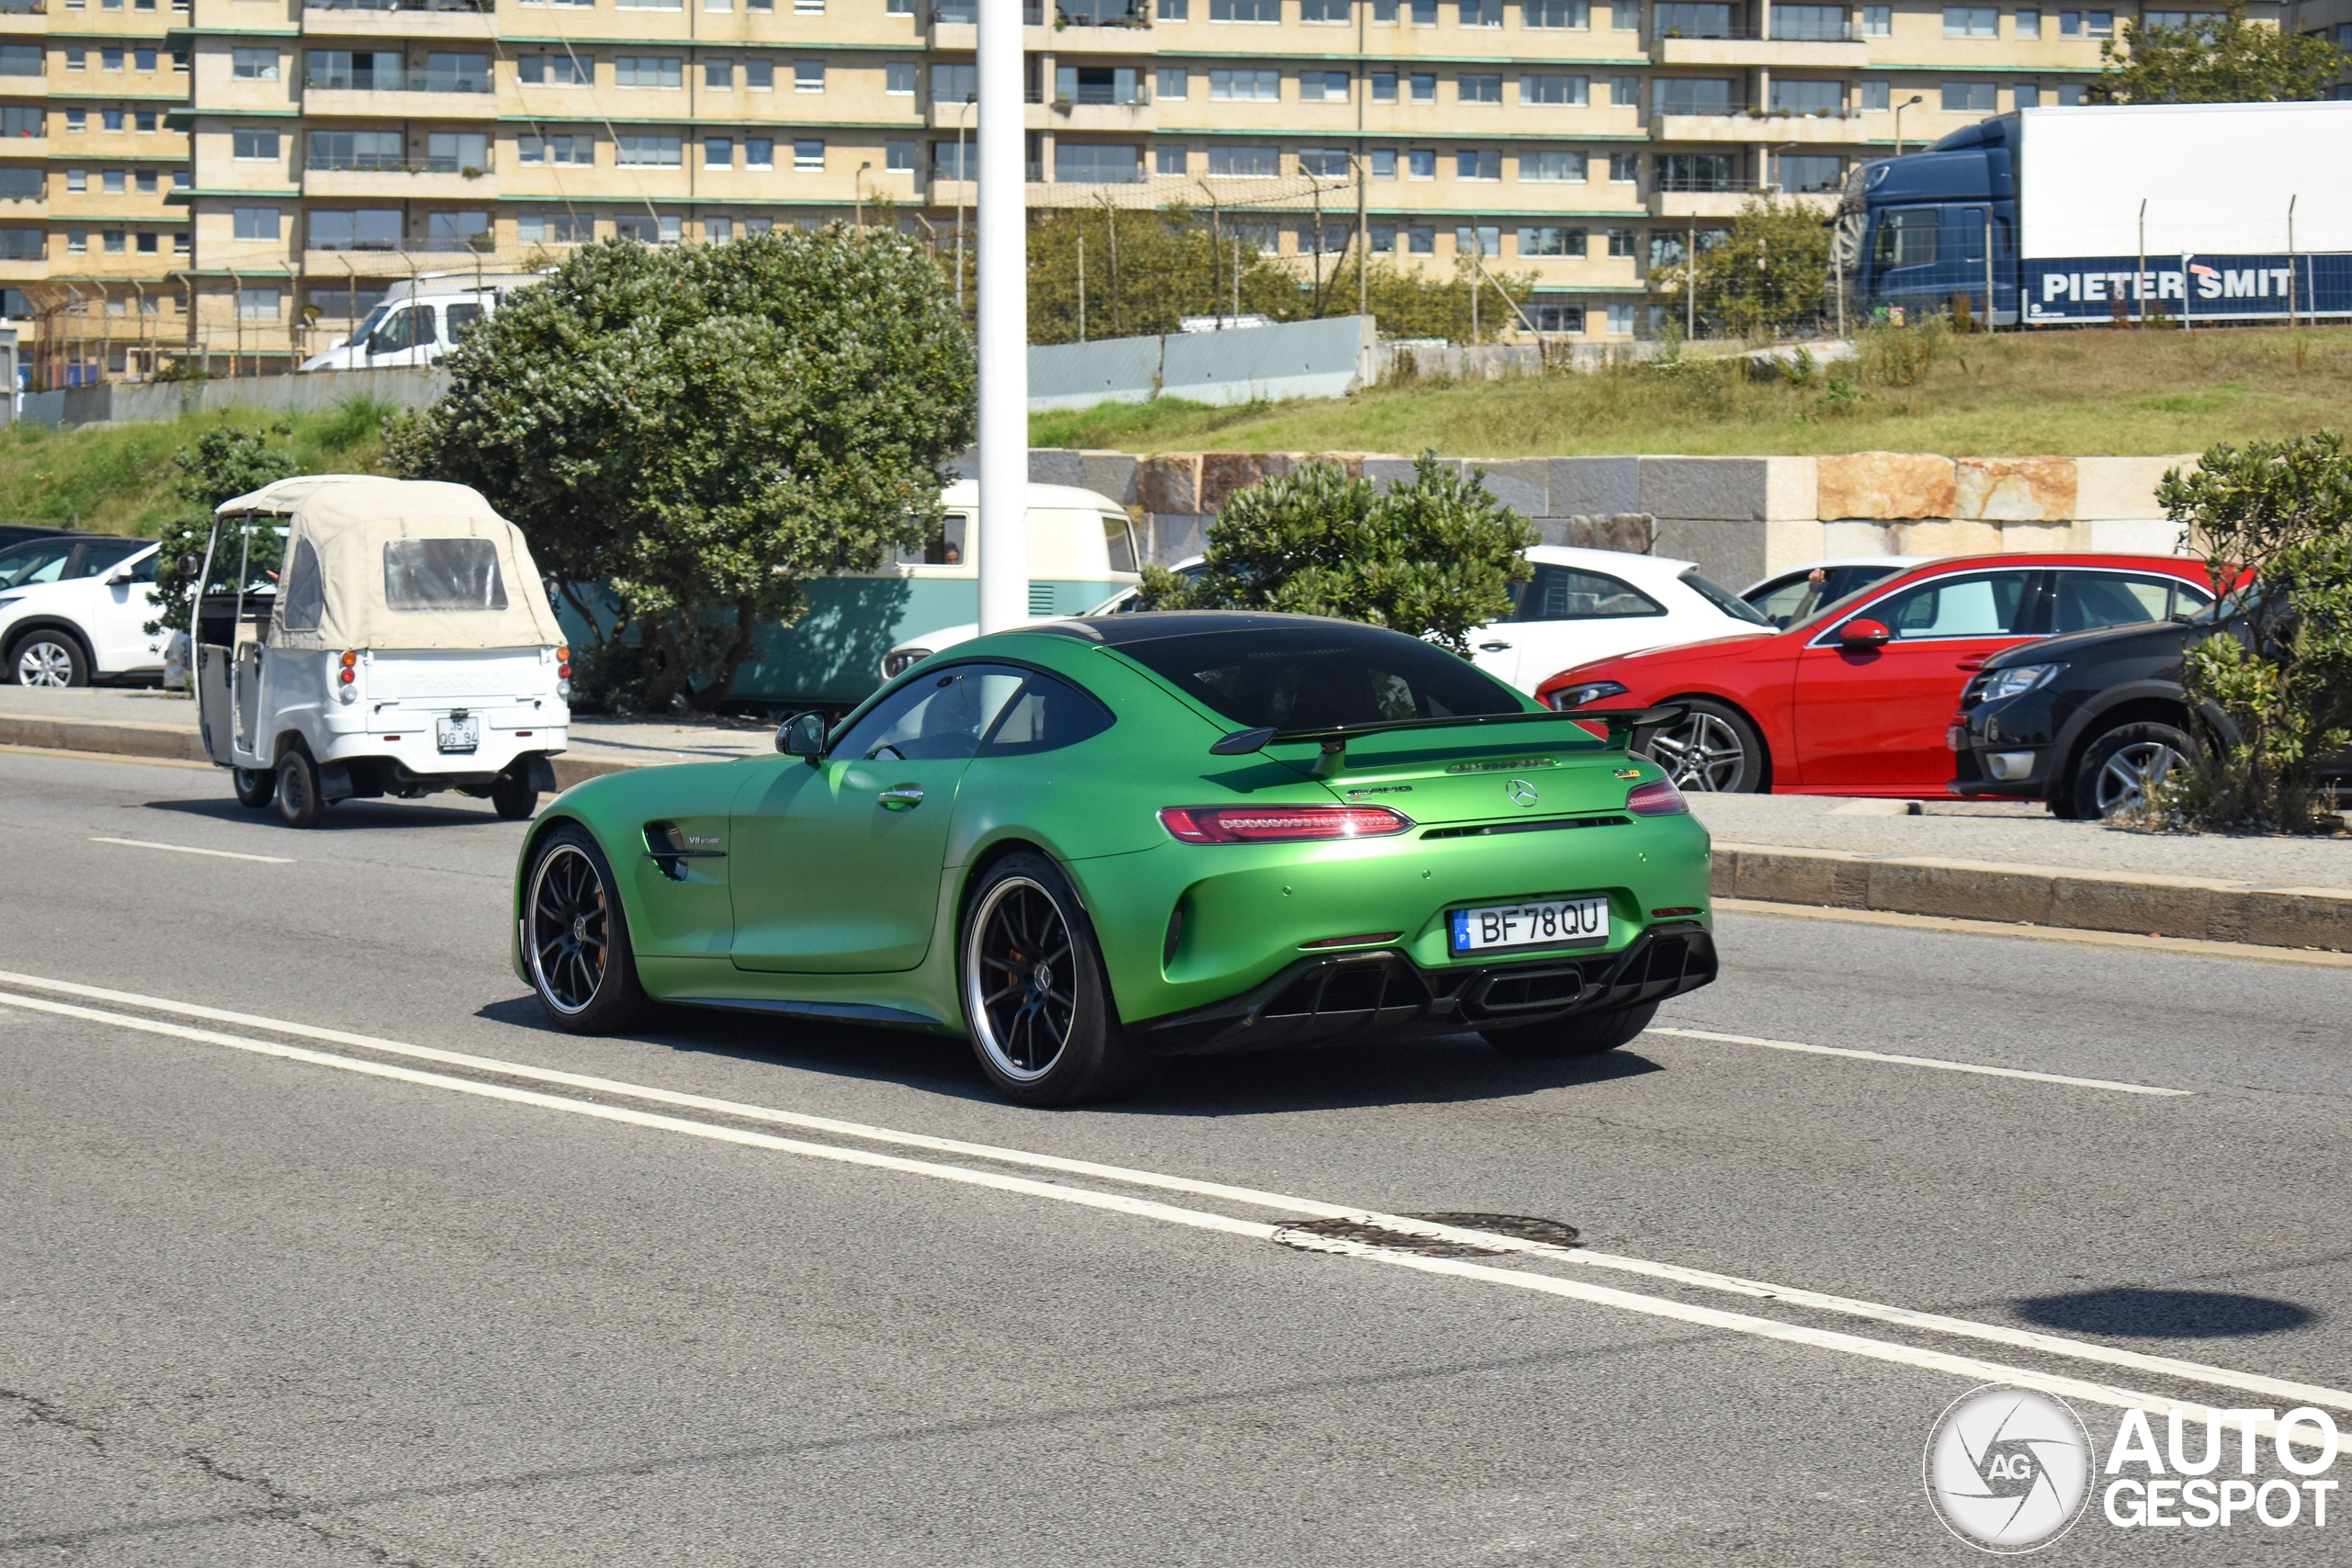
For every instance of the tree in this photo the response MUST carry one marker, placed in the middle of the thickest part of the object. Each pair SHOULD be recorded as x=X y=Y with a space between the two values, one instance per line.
x=1768 y=272
x=1434 y=558
x=2280 y=667
x=221 y=464
x=2219 y=58
x=687 y=435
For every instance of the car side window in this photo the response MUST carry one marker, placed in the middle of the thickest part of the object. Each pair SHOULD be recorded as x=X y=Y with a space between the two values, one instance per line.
x=939 y=717
x=1047 y=715
x=145 y=570
x=1565 y=593
x=303 y=598
x=1783 y=601
x=460 y=317
x=98 y=560
x=34 y=563
x=1985 y=604
x=2088 y=600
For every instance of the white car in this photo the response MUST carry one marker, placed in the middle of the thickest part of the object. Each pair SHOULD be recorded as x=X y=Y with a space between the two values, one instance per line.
x=1581 y=604
x=1587 y=604
x=76 y=608
x=1787 y=597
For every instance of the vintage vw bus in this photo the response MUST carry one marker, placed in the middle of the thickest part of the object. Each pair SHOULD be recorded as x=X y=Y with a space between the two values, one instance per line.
x=363 y=636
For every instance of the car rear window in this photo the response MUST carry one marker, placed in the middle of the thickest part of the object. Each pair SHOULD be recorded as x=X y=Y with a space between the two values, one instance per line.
x=442 y=574
x=1309 y=676
x=1723 y=598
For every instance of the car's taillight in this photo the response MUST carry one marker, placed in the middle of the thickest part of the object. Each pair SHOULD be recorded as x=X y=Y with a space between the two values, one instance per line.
x=1280 y=824
x=345 y=678
x=1657 y=798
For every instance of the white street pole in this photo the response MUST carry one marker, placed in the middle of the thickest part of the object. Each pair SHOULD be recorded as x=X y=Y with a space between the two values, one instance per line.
x=1003 y=321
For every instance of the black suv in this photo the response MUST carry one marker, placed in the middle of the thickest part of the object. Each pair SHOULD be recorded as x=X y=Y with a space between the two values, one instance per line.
x=2085 y=722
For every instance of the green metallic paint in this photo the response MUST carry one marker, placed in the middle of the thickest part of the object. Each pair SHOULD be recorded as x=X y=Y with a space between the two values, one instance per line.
x=1093 y=807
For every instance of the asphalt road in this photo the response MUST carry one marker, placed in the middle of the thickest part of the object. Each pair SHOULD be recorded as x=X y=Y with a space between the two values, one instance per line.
x=265 y=1309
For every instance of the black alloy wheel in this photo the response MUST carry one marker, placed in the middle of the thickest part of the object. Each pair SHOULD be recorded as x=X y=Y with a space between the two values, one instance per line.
x=2122 y=766
x=1035 y=998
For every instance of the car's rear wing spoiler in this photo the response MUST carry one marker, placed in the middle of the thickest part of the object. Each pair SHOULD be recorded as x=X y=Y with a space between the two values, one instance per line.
x=1623 y=724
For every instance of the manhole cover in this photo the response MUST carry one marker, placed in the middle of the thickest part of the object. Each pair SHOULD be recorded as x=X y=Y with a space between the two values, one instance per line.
x=1316 y=1236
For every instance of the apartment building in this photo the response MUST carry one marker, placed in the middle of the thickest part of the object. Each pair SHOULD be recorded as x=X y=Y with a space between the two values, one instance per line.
x=246 y=178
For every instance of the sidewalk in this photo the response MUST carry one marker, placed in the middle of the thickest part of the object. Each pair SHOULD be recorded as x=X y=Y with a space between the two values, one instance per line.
x=1979 y=861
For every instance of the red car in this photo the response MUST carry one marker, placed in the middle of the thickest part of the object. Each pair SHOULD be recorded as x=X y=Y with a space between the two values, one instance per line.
x=1855 y=698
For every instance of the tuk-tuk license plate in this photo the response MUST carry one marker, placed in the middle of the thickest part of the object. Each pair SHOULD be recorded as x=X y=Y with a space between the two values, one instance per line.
x=458 y=733
x=1547 y=922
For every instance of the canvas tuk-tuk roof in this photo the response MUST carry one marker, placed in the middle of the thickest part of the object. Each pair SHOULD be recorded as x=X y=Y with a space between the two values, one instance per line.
x=399 y=564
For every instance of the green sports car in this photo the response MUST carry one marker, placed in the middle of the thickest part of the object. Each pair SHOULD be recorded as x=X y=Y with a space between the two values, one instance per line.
x=1093 y=844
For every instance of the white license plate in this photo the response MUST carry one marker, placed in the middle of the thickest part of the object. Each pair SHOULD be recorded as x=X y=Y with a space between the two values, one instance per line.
x=457 y=734
x=1544 y=922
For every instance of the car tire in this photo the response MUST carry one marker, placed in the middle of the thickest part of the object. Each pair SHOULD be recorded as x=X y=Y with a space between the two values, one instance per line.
x=254 y=786
x=1578 y=1034
x=1712 y=749
x=300 y=804
x=2118 y=768
x=511 y=795
x=575 y=937
x=1036 y=1003
x=49 y=659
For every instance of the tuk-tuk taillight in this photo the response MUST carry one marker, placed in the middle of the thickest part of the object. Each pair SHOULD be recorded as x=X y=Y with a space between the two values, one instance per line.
x=346 y=678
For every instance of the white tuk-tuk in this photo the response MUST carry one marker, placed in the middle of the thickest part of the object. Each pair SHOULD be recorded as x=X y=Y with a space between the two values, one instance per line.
x=404 y=646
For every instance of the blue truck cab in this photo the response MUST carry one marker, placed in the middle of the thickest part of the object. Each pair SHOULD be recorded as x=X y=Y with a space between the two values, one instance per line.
x=1915 y=233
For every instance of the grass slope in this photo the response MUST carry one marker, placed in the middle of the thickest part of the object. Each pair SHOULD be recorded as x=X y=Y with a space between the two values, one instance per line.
x=117 y=478
x=2093 y=393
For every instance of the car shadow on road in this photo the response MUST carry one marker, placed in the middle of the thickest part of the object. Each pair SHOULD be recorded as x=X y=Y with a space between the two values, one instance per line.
x=344 y=814
x=2137 y=1314
x=1337 y=1077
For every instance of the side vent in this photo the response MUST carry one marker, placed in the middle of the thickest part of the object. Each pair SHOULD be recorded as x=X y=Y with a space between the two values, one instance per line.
x=1041 y=598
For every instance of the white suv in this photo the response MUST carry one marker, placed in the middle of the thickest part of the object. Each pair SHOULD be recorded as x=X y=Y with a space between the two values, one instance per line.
x=76 y=608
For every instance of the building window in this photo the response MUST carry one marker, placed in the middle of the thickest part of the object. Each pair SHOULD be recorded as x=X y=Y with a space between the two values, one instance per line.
x=650 y=149
x=2086 y=24
x=1082 y=163
x=1481 y=163
x=1620 y=320
x=718 y=152
x=1553 y=164
x=1421 y=240
x=257 y=304
x=899 y=76
x=77 y=243
x=1097 y=84
x=456 y=151
x=1175 y=10
x=578 y=149
x=899 y=157
x=1972 y=21
x=1478 y=240
x=1328 y=239
x=1551 y=242
x=809 y=155
x=954 y=84
x=759 y=153
x=1256 y=86
x=2028 y=95
x=2029 y=24
x=1554 y=89
x=1692 y=94
x=1876 y=96
x=1384 y=86
x=1878 y=21
x=1809 y=24
x=1694 y=171
x=77 y=182
x=110 y=119
x=1323 y=163
x=1625 y=91
x=1682 y=18
x=555 y=228
x=253 y=144
x=1555 y=13
x=117 y=243
x=647 y=230
x=718 y=76
x=1172 y=82
x=456 y=230
x=145 y=122
x=1323 y=11
x=1420 y=163
x=759 y=75
x=1811 y=173
x=1478 y=87
x=1968 y=97
x=1384 y=162
x=648 y=70
x=1323 y=87
x=1481 y=13
x=2070 y=96
x=1168 y=158
x=1266 y=11
x=1622 y=243
x=1244 y=162
x=808 y=76
x=1554 y=318
x=110 y=59
x=147 y=183
x=1800 y=97
x=1625 y=168
x=254 y=222
x=1424 y=86
x=556 y=71
x=717 y=231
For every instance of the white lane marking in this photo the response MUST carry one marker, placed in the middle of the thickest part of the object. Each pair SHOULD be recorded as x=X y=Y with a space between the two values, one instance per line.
x=192 y=849
x=2244 y=952
x=1959 y=1328
x=1916 y=1062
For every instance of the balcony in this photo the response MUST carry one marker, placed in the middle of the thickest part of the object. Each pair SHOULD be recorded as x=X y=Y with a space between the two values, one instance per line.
x=1842 y=53
x=403 y=19
x=1725 y=201
x=1737 y=122
x=20 y=16
x=431 y=180
x=419 y=95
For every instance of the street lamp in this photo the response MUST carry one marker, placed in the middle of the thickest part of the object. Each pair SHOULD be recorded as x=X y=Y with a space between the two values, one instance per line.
x=857 y=191
x=1914 y=98
x=1003 y=321
x=963 y=176
x=1772 y=159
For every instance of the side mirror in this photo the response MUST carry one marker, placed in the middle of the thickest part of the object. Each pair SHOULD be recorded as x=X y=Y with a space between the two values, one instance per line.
x=802 y=735
x=1857 y=634
x=189 y=566
x=118 y=579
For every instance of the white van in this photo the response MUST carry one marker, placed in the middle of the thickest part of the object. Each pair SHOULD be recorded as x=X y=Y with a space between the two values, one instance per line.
x=420 y=321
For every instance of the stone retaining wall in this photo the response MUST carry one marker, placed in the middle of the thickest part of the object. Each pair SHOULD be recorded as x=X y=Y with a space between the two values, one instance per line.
x=1739 y=518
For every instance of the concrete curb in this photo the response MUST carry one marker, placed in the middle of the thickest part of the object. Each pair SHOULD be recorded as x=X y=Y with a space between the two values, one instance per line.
x=2197 y=907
